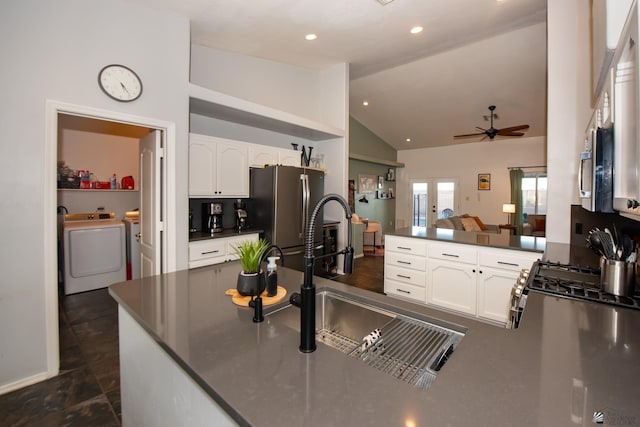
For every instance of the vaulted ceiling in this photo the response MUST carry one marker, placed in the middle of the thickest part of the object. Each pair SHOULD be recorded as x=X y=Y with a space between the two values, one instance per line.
x=427 y=86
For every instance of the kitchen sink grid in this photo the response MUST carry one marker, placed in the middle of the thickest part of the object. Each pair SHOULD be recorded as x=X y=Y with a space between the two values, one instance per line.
x=409 y=349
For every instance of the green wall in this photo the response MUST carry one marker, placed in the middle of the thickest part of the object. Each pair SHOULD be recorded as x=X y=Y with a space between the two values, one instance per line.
x=364 y=142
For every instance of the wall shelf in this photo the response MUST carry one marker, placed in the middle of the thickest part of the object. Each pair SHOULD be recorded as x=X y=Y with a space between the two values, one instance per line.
x=209 y=103
x=369 y=159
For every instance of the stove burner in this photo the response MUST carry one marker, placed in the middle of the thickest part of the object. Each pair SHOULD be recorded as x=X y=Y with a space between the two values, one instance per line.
x=575 y=282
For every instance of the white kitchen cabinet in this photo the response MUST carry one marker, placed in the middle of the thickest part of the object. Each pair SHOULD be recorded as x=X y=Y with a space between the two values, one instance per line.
x=469 y=279
x=217 y=167
x=260 y=155
x=289 y=157
x=497 y=273
x=216 y=251
x=451 y=277
x=405 y=268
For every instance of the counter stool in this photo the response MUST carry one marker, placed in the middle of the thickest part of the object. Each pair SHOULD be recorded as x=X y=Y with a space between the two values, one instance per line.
x=364 y=233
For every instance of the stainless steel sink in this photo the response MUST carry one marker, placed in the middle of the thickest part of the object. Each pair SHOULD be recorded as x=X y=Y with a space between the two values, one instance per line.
x=410 y=349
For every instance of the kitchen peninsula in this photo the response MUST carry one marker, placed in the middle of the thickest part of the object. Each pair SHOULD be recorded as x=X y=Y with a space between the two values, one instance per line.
x=190 y=356
x=467 y=272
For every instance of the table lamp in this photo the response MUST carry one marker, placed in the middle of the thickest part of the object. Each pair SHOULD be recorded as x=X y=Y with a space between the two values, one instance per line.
x=509 y=208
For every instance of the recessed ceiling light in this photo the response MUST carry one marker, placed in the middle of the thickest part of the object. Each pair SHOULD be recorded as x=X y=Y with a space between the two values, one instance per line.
x=384 y=2
x=416 y=30
x=408 y=139
x=310 y=37
x=365 y=103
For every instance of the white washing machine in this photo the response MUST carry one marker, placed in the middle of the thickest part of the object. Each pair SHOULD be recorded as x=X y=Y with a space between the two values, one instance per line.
x=94 y=252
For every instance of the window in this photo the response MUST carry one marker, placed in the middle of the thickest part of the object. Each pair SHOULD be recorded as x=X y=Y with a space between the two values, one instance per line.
x=534 y=194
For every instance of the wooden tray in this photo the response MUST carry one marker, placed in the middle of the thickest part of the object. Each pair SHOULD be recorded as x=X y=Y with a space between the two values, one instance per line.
x=244 y=300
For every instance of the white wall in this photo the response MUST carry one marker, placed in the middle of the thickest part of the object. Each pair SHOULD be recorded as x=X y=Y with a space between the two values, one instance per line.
x=568 y=108
x=315 y=95
x=464 y=162
x=54 y=51
x=101 y=154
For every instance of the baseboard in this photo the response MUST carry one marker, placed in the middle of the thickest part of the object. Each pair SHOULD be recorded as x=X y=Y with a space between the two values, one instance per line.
x=24 y=382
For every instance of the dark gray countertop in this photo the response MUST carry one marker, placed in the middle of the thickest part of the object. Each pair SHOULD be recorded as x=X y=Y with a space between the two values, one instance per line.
x=227 y=232
x=496 y=240
x=567 y=360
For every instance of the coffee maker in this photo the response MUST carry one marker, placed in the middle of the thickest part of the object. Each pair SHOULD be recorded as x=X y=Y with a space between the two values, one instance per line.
x=212 y=217
x=241 y=215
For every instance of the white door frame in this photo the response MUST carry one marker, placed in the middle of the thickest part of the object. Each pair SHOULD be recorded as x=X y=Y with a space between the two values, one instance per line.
x=53 y=108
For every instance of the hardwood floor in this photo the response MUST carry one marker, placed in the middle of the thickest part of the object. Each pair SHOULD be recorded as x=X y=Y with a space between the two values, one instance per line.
x=368 y=272
x=87 y=391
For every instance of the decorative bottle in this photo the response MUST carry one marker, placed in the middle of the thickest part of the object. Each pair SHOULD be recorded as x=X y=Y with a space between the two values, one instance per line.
x=272 y=276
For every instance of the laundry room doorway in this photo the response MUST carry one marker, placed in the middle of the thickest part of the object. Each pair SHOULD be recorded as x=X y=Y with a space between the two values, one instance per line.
x=121 y=143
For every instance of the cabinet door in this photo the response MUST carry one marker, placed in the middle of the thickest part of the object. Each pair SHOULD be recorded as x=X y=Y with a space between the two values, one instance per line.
x=289 y=157
x=452 y=285
x=202 y=167
x=232 y=172
x=494 y=293
x=260 y=155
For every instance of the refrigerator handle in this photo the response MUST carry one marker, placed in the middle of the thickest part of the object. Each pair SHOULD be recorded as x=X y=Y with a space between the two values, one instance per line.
x=305 y=204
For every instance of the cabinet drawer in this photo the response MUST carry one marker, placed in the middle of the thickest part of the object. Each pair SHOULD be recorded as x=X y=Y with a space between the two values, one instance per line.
x=405 y=275
x=406 y=261
x=391 y=287
x=207 y=249
x=508 y=260
x=405 y=245
x=233 y=242
x=453 y=252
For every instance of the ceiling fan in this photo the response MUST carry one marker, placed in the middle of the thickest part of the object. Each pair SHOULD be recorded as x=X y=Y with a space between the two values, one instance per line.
x=493 y=132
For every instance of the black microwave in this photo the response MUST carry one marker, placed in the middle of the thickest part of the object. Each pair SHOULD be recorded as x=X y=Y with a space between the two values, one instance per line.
x=595 y=174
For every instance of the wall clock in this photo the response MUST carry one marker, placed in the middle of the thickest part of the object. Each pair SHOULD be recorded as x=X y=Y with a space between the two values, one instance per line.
x=120 y=83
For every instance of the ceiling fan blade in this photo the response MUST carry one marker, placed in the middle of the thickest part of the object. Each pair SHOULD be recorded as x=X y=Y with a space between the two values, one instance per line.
x=512 y=128
x=469 y=134
x=510 y=134
x=482 y=129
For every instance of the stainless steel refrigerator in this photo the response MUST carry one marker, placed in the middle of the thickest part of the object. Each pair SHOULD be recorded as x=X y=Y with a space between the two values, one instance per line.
x=282 y=199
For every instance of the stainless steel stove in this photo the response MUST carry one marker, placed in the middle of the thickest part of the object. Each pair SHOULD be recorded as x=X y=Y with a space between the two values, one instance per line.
x=565 y=281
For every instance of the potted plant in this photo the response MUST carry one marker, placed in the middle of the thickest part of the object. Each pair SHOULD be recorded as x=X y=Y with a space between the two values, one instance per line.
x=249 y=279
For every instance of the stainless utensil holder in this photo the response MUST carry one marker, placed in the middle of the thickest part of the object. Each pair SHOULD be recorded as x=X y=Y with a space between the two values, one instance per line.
x=617 y=277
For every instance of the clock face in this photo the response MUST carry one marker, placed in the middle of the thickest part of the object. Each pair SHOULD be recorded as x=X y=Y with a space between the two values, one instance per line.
x=120 y=83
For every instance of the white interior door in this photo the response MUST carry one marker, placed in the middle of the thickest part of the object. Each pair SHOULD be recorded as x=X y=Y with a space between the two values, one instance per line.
x=151 y=225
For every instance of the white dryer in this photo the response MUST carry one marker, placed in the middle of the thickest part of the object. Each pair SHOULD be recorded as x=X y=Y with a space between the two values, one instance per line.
x=94 y=252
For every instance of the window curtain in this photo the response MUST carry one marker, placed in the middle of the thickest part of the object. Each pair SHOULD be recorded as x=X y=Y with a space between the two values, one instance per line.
x=516 y=176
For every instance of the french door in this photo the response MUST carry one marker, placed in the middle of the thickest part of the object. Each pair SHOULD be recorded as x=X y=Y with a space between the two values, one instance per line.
x=433 y=199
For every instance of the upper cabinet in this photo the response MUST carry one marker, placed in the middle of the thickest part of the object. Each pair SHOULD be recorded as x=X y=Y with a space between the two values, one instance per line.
x=608 y=19
x=217 y=167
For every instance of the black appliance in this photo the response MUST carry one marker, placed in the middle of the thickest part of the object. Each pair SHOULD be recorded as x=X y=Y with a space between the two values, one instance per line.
x=283 y=198
x=567 y=281
x=241 y=215
x=212 y=217
x=595 y=174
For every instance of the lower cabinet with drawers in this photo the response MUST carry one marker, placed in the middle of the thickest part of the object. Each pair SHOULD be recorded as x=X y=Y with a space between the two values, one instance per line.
x=468 y=279
x=215 y=251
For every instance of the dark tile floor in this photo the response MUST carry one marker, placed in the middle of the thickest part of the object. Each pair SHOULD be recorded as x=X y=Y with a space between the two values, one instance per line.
x=87 y=391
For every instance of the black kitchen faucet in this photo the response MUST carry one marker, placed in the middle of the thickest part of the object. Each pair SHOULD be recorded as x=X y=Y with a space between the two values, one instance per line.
x=306 y=299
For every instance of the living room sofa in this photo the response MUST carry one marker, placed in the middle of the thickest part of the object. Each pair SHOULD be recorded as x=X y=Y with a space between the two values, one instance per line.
x=467 y=223
x=535 y=226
